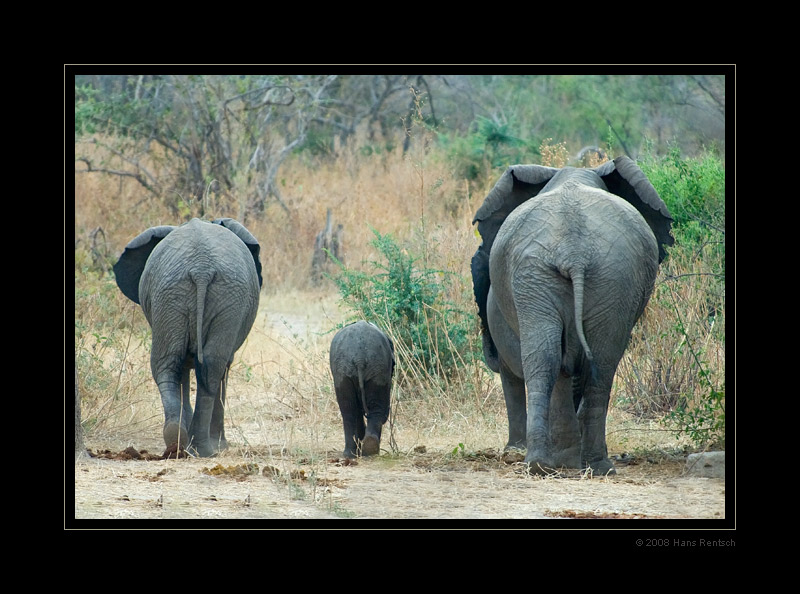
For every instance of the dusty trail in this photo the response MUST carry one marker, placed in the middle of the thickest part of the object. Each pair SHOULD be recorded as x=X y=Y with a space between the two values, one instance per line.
x=284 y=461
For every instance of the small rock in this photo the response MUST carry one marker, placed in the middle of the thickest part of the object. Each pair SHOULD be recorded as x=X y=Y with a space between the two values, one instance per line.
x=706 y=464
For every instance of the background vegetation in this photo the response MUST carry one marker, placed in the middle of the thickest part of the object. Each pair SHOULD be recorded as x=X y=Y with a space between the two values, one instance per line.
x=402 y=163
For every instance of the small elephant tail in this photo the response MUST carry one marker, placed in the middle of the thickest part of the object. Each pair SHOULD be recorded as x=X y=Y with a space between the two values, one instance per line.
x=577 y=276
x=361 y=391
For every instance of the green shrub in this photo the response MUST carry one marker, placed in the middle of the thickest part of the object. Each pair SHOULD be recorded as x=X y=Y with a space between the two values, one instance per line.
x=676 y=361
x=488 y=146
x=432 y=335
x=694 y=191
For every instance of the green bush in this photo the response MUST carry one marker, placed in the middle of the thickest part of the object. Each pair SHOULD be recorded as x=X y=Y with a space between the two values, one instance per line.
x=431 y=334
x=694 y=191
x=679 y=357
x=488 y=146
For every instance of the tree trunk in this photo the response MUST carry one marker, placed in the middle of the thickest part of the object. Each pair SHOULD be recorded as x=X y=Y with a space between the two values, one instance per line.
x=328 y=241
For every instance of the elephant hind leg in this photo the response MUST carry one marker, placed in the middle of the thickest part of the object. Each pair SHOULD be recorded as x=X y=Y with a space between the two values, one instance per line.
x=377 y=400
x=176 y=419
x=209 y=408
x=176 y=438
x=541 y=357
x=592 y=416
x=352 y=415
x=514 y=394
x=565 y=433
x=217 y=432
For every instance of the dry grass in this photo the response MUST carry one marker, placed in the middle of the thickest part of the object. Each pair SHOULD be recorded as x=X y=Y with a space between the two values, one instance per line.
x=282 y=371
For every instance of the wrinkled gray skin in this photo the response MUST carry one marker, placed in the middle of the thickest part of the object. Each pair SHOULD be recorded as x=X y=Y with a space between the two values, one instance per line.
x=362 y=364
x=567 y=264
x=198 y=285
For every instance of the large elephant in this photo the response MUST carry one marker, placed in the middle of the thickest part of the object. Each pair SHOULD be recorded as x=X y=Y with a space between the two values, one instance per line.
x=362 y=365
x=198 y=285
x=566 y=267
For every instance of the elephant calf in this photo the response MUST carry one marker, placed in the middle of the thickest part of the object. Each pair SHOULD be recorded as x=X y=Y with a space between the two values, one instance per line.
x=198 y=285
x=362 y=364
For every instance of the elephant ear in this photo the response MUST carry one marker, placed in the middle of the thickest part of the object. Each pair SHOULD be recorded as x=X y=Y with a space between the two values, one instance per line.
x=515 y=186
x=518 y=184
x=624 y=178
x=249 y=240
x=129 y=267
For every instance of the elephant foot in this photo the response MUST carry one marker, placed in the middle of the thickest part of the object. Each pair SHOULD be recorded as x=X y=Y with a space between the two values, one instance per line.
x=220 y=445
x=175 y=436
x=567 y=458
x=203 y=450
x=540 y=467
x=371 y=445
x=550 y=464
x=513 y=453
x=603 y=467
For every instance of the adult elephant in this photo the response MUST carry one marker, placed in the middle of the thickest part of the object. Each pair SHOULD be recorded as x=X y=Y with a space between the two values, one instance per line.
x=567 y=264
x=198 y=285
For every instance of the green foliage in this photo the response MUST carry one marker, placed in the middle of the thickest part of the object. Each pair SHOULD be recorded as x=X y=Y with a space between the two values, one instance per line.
x=704 y=422
x=679 y=357
x=693 y=190
x=489 y=145
x=120 y=113
x=459 y=449
x=411 y=302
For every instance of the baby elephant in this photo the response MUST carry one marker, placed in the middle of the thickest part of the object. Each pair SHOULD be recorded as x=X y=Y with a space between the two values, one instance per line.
x=362 y=364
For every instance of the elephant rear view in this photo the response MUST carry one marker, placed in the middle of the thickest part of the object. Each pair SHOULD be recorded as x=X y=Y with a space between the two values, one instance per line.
x=198 y=285
x=567 y=265
x=362 y=365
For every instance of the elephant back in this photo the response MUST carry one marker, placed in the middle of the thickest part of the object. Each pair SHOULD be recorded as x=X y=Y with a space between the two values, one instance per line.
x=361 y=345
x=519 y=183
x=132 y=262
x=128 y=269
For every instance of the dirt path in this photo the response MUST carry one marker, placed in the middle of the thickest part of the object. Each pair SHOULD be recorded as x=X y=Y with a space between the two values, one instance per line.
x=417 y=486
x=284 y=428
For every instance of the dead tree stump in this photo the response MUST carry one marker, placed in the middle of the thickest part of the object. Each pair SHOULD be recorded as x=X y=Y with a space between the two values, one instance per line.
x=328 y=241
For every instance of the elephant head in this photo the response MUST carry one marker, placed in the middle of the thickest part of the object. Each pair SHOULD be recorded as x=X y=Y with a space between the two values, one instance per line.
x=520 y=183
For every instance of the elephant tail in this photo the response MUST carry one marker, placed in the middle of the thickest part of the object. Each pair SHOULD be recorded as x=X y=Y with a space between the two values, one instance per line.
x=361 y=391
x=577 y=276
x=201 y=284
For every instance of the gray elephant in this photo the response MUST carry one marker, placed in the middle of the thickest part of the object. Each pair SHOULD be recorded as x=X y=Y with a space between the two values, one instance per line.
x=198 y=285
x=566 y=267
x=362 y=364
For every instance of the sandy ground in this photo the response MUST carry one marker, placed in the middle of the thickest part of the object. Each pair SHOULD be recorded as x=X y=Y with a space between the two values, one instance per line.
x=418 y=486
x=284 y=466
